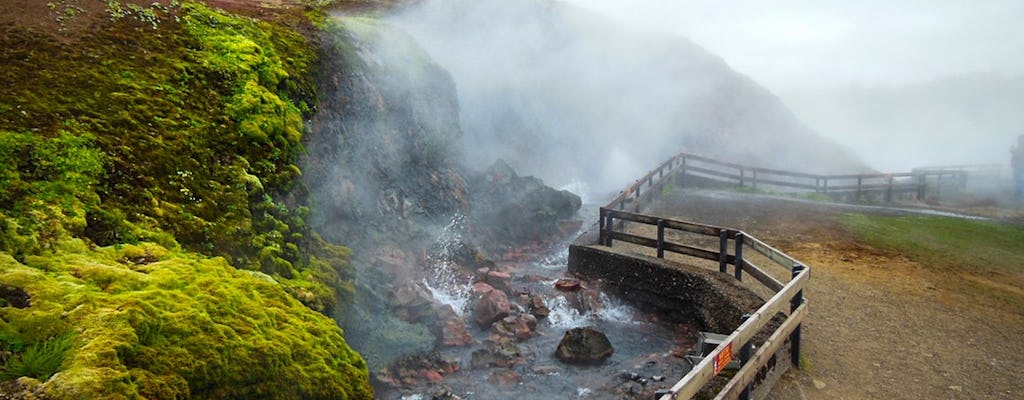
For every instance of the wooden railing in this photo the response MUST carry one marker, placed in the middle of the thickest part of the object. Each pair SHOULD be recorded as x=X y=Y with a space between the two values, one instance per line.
x=788 y=294
x=917 y=183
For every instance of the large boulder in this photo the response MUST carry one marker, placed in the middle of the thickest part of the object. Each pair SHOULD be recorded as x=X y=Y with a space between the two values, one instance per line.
x=584 y=346
x=489 y=304
x=516 y=209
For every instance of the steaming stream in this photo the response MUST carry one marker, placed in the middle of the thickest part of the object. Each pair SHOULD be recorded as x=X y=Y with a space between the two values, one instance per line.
x=642 y=345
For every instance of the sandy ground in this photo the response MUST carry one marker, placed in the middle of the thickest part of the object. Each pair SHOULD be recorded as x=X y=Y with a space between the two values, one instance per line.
x=881 y=326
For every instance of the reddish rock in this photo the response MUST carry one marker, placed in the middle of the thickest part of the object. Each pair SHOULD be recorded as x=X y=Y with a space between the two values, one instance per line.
x=499 y=280
x=453 y=328
x=412 y=302
x=567 y=285
x=482 y=288
x=590 y=300
x=519 y=326
x=490 y=306
x=431 y=376
x=538 y=308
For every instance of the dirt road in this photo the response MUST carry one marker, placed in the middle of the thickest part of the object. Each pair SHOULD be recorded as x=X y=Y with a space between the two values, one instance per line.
x=881 y=326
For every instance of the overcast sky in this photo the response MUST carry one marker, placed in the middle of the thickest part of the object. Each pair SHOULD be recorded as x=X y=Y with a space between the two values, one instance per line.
x=799 y=44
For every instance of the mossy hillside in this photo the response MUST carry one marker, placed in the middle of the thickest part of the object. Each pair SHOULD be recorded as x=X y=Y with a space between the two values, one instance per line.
x=177 y=133
x=198 y=123
x=149 y=322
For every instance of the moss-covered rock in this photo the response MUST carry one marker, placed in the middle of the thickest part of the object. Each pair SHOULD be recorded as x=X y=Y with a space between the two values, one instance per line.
x=155 y=323
x=153 y=235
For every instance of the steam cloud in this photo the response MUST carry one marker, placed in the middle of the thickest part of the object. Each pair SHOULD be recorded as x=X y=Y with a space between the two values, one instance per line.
x=569 y=95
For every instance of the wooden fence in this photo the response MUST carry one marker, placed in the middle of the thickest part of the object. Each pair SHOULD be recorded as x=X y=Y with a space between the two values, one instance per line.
x=786 y=295
x=856 y=187
x=789 y=294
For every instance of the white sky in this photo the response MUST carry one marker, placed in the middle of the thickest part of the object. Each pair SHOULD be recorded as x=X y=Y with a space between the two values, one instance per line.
x=799 y=44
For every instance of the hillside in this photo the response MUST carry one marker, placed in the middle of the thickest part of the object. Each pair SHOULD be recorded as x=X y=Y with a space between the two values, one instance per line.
x=153 y=235
x=568 y=95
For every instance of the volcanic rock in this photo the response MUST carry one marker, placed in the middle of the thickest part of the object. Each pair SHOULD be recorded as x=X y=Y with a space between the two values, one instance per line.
x=452 y=328
x=412 y=303
x=489 y=306
x=584 y=345
x=538 y=308
x=500 y=352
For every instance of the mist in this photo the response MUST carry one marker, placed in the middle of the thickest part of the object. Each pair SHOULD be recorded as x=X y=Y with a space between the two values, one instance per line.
x=579 y=99
x=905 y=84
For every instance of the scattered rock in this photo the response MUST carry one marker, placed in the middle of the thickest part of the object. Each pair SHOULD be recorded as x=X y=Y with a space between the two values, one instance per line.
x=504 y=377
x=567 y=285
x=490 y=306
x=584 y=345
x=538 y=308
x=502 y=353
x=818 y=384
x=519 y=326
x=412 y=303
x=452 y=328
x=411 y=370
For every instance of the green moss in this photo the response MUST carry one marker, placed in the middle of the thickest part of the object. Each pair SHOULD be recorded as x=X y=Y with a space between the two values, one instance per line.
x=150 y=208
x=176 y=326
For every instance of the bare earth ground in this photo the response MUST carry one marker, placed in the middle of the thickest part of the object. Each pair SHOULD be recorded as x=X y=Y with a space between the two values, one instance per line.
x=881 y=326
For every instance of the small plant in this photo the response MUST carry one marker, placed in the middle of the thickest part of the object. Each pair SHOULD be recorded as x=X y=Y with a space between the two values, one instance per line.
x=39 y=360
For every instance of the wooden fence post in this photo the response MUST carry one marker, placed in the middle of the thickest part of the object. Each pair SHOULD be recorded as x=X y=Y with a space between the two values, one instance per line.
x=609 y=227
x=794 y=338
x=739 y=257
x=723 y=250
x=745 y=353
x=661 y=238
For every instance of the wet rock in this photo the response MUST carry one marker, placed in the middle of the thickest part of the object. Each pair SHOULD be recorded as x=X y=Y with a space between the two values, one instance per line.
x=452 y=328
x=489 y=306
x=416 y=369
x=412 y=303
x=538 y=308
x=590 y=300
x=444 y=394
x=501 y=353
x=515 y=209
x=504 y=377
x=519 y=326
x=584 y=345
x=545 y=370
x=567 y=285
x=500 y=280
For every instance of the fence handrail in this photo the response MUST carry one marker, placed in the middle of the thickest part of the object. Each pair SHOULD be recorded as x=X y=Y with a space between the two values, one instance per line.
x=789 y=293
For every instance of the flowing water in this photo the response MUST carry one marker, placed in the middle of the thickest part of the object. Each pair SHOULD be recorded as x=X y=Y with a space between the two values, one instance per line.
x=641 y=362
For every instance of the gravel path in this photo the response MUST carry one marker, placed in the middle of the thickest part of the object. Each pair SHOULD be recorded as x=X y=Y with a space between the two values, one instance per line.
x=881 y=326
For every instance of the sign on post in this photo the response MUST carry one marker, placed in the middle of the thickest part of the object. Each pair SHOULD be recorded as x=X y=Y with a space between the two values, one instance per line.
x=723 y=358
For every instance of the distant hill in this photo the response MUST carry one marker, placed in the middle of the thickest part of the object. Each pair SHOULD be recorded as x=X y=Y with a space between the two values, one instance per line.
x=565 y=94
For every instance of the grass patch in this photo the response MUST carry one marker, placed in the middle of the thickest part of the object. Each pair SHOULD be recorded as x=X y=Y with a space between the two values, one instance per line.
x=984 y=260
x=944 y=243
x=40 y=360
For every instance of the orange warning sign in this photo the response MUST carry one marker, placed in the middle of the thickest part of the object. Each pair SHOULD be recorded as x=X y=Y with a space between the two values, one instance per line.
x=723 y=358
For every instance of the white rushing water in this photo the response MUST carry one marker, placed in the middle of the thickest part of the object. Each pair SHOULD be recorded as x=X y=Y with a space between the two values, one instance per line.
x=565 y=316
x=445 y=282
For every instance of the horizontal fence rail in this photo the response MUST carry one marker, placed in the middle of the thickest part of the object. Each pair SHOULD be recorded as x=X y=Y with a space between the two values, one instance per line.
x=917 y=183
x=788 y=296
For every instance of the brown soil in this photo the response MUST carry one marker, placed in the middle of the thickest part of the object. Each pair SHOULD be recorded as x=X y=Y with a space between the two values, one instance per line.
x=881 y=326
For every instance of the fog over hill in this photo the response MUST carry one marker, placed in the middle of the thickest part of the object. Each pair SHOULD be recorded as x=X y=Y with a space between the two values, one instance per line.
x=904 y=83
x=571 y=96
x=963 y=119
